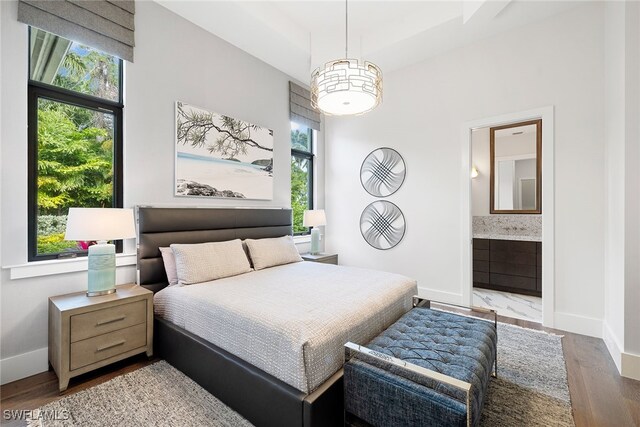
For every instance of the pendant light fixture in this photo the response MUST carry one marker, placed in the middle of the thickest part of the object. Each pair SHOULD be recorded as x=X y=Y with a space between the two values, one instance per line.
x=346 y=86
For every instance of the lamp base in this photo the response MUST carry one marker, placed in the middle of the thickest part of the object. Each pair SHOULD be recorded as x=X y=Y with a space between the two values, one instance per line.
x=98 y=293
x=315 y=241
x=102 y=269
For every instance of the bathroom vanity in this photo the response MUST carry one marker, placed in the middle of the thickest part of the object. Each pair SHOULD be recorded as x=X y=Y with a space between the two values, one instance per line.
x=513 y=265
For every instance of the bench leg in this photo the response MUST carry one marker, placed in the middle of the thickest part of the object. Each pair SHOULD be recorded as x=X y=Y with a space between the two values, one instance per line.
x=495 y=360
x=469 y=408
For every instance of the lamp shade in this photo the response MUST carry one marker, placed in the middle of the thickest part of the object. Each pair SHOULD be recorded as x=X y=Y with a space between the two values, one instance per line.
x=100 y=224
x=314 y=218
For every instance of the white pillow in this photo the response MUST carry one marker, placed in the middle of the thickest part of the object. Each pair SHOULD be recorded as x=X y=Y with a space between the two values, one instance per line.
x=196 y=263
x=169 y=265
x=271 y=252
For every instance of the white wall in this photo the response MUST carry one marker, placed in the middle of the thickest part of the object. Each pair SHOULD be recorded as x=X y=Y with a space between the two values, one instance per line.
x=632 y=292
x=614 y=172
x=174 y=60
x=622 y=208
x=191 y=65
x=424 y=108
x=480 y=185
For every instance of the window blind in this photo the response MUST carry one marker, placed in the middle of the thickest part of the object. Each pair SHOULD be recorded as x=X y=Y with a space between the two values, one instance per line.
x=104 y=25
x=300 y=106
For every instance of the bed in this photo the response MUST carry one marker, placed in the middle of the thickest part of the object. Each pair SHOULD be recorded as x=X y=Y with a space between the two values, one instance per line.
x=276 y=360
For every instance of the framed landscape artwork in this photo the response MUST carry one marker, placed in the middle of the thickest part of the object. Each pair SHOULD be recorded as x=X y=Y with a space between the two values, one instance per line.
x=218 y=156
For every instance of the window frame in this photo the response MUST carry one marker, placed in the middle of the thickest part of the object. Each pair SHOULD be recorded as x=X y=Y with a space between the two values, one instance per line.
x=310 y=157
x=37 y=90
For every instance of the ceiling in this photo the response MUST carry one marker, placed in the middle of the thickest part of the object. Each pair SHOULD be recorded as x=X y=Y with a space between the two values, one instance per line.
x=298 y=36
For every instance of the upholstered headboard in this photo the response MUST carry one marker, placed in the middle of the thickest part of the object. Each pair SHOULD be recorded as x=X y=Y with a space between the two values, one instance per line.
x=159 y=227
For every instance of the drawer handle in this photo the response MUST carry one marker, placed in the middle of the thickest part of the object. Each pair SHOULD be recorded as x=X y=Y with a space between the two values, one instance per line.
x=115 y=319
x=107 y=347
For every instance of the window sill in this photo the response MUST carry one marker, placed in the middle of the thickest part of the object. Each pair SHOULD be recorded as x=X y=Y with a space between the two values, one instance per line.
x=299 y=240
x=60 y=266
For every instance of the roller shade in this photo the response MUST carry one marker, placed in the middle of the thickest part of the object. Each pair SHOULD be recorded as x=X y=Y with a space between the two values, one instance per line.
x=300 y=107
x=104 y=25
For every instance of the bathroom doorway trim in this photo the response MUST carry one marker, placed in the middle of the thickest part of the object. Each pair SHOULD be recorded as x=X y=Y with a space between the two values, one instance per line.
x=548 y=208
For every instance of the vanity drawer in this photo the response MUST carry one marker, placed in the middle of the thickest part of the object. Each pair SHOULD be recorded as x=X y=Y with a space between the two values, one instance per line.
x=109 y=319
x=513 y=246
x=481 y=254
x=481 y=266
x=480 y=277
x=513 y=257
x=481 y=244
x=513 y=269
x=104 y=346
x=515 y=282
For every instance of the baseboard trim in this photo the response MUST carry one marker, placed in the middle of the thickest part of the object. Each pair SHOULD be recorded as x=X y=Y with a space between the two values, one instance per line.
x=628 y=364
x=611 y=341
x=577 y=324
x=442 y=296
x=24 y=365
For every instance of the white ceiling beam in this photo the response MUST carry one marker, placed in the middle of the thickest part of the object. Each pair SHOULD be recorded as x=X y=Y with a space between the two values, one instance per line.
x=482 y=10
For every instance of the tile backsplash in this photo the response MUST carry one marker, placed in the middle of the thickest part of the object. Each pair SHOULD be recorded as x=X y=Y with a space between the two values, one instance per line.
x=513 y=225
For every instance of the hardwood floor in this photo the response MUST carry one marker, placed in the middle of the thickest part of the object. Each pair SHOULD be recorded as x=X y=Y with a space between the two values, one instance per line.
x=599 y=396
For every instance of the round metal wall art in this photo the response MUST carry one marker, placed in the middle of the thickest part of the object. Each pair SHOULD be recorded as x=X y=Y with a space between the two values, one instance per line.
x=382 y=224
x=382 y=172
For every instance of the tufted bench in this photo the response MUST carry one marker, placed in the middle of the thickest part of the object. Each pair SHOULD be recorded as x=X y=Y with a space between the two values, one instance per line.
x=430 y=368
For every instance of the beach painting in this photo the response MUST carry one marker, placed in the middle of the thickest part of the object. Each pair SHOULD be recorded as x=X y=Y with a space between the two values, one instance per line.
x=218 y=156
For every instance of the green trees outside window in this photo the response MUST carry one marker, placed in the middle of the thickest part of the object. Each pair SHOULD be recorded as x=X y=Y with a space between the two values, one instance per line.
x=75 y=141
x=75 y=168
x=301 y=174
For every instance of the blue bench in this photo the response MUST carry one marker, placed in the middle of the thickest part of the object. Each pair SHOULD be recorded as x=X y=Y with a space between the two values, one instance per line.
x=430 y=368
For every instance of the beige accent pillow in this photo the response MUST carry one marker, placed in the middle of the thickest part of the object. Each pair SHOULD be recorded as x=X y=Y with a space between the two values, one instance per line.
x=201 y=262
x=169 y=265
x=271 y=252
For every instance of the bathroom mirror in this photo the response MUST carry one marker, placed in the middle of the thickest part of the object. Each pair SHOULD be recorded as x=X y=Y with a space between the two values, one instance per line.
x=516 y=168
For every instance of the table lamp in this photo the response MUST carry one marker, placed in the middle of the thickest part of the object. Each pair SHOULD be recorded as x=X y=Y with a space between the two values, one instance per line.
x=314 y=218
x=101 y=225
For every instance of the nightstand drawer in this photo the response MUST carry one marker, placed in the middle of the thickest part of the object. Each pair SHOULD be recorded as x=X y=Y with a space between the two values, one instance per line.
x=102 y=347
x=321 y=258
x=329 y=260
x=110 y=319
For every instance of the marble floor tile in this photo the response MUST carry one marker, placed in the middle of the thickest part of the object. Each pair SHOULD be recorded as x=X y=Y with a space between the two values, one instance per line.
x=509 y=304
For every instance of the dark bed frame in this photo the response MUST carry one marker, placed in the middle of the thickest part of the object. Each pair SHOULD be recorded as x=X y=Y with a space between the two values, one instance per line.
x=261 y=398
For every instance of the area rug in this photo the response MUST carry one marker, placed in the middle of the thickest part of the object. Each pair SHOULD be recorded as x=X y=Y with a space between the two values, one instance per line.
x=531 y=390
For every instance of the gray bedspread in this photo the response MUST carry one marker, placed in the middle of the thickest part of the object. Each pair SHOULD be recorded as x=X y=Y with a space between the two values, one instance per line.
x=292 y=320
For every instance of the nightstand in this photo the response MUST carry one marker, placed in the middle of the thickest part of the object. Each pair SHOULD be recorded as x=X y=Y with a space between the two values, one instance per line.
x=86 y=333
x=323 y=258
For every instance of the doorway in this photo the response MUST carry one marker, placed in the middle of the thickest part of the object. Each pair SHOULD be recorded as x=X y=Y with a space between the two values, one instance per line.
x=522 y=187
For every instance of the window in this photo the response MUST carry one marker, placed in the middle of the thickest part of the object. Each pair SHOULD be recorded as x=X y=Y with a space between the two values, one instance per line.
x=301 y=174
x=75 y=138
